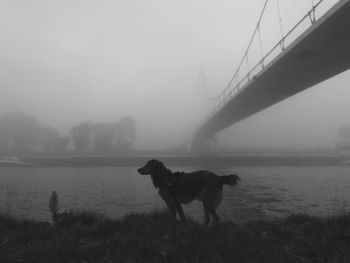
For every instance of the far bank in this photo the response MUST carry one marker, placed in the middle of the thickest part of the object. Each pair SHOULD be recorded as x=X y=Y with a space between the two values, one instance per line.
x=187 y=160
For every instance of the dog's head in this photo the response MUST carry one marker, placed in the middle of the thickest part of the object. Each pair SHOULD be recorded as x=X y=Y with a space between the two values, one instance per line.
x=234 y=179
x=150 y=167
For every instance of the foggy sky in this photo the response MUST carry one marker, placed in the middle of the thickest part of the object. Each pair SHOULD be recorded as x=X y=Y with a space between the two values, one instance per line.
x=68 y=61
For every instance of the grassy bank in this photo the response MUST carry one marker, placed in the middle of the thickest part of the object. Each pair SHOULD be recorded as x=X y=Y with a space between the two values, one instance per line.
x=89 y=237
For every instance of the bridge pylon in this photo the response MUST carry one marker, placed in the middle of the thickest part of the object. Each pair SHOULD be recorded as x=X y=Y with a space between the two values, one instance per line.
x=203 y=144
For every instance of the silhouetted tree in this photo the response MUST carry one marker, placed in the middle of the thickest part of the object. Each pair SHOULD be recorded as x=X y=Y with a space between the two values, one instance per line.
x=22 y=134
x=344 y=134
x=60 y=144
x=49 y=136
x=4 y=140
x=105 y=137
x=126 y=134
x=82 y=136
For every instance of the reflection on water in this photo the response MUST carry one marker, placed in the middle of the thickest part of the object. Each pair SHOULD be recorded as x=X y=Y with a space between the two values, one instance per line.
x=116 y=191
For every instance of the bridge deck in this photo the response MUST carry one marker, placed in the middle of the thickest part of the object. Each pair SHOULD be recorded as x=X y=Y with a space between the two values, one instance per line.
x=321 y=52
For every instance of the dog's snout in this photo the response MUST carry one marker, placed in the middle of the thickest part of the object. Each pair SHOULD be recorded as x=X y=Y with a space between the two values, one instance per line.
x=142 y=170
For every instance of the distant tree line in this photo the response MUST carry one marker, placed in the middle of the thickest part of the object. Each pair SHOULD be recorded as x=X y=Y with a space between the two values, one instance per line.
x=21 y=134
x=344 y=134
x=104 y=138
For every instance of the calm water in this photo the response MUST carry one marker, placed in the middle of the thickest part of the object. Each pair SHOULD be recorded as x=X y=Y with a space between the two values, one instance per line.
x=115 y=191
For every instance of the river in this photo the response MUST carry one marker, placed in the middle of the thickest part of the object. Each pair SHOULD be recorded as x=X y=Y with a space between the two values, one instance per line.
x=264 y=191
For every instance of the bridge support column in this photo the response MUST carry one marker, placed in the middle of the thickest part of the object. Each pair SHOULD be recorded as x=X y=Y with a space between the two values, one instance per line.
x=203 y=144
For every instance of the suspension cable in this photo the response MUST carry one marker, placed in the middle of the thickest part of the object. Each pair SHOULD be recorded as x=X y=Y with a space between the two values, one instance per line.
x=280 y=23
x=261 y=47
x=249 y=45
x=312 y=12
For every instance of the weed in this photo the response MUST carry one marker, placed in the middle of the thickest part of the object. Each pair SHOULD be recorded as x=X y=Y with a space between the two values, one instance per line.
x=54 y=206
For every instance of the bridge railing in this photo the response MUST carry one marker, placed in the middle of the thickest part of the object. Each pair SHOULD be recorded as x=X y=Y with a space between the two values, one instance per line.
x=244 y=73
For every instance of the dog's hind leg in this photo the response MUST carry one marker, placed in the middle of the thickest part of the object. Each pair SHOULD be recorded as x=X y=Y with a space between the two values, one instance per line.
x=214 y=215
x=214 y=203
x=180 y=211
x=206 y=213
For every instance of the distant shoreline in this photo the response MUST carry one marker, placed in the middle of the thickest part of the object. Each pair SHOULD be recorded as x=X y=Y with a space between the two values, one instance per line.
x=188 y=160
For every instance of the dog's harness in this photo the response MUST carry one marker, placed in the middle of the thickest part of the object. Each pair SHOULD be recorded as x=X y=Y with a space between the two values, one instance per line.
x=165 y=181
x=170 y=187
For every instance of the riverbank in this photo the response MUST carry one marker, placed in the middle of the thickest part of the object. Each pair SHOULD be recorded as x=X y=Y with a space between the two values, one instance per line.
x=152 y=237
x=188 y=160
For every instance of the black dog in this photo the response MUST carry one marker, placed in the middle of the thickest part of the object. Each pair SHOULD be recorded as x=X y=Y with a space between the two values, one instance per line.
x=182 y=188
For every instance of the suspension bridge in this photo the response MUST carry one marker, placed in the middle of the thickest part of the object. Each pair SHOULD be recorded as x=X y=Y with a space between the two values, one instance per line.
x=320 y=51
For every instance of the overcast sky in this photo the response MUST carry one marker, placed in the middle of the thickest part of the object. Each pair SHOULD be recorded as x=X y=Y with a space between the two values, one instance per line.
x=67 y=61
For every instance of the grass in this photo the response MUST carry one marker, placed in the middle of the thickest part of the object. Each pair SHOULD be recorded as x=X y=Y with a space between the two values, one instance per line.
x=89 y=237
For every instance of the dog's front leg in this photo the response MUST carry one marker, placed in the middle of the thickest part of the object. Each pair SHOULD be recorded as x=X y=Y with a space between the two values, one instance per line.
x=169 y=202
x=172 y=209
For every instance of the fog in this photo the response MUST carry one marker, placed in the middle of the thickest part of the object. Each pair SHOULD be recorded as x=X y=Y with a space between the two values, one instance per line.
x=66 y=62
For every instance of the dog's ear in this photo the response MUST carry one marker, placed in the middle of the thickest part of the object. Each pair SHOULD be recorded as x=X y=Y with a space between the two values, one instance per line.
x=158 y=167
x=157 y=172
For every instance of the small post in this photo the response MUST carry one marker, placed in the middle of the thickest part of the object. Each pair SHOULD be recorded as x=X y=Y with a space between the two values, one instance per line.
x=54 y=206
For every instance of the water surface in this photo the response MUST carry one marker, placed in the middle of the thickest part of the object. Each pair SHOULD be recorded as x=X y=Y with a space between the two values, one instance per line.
x=115 y=191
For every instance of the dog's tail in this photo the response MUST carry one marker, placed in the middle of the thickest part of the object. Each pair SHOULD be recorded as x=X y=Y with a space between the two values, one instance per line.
x=231 y=179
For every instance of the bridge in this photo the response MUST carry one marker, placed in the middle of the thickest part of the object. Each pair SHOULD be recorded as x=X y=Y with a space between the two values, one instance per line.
x=319 y=52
